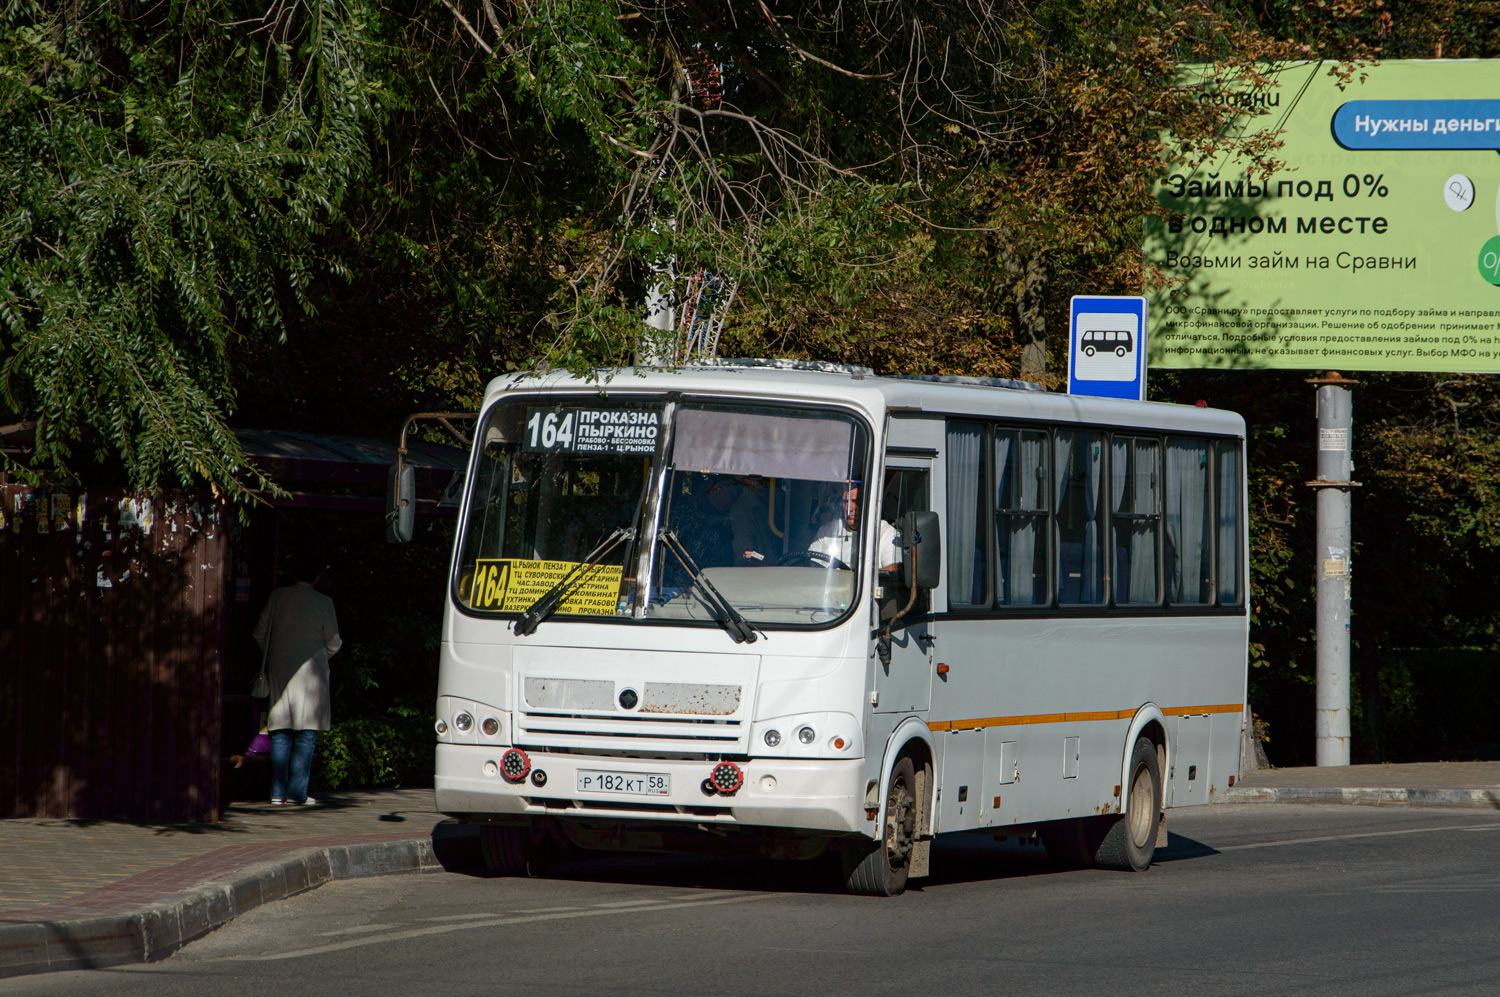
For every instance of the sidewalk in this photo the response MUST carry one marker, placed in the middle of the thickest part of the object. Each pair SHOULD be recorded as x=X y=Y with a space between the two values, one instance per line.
x=78 y=894
x=1418 y=784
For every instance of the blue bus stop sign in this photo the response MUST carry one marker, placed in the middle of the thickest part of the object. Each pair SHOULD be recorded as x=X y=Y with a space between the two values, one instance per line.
x=1107 y=347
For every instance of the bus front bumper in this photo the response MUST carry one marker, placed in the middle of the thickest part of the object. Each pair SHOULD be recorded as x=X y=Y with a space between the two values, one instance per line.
x=809 y=794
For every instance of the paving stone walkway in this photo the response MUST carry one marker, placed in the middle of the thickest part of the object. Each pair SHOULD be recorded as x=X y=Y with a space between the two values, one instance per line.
x=58 y=869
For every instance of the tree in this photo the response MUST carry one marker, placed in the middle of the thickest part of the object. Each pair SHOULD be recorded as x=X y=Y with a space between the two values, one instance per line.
x=168 y=176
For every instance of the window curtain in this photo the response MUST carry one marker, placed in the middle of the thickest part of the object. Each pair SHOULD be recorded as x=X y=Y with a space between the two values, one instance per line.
x=1068 y=554
x=1229 y=525
x=1026 y=570
x=1187 y=525
x=766 y=443
x=965 y=559
x=1080 y=465
x=1093 y=571
x=1135 y=479
x=1006 y=522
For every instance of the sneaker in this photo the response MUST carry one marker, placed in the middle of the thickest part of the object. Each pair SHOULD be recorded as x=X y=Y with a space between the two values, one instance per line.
x=276 y=803
x=309 y=802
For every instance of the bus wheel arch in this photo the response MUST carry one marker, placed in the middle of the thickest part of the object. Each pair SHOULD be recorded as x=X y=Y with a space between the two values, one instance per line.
x=1130 y=842
x=1148 y=722
x=903 y=838
x=920 y=753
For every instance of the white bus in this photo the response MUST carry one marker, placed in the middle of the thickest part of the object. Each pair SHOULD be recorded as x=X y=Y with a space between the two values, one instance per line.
x=773 y=608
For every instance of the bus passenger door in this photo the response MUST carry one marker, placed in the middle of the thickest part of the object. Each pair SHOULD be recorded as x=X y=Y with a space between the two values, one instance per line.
x=905 y=684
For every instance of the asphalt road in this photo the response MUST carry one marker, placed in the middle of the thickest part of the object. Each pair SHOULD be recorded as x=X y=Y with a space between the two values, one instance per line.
x=1249 y=898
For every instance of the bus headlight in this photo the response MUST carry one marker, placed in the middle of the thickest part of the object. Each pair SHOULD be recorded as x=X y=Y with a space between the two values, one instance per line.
x=463 y=721
x=441 y=726
x=807 y=735
x=491 y=726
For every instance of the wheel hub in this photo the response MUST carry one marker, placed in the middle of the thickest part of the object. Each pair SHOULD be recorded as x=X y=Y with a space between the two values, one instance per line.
x=900 y=825
x=1140 y=810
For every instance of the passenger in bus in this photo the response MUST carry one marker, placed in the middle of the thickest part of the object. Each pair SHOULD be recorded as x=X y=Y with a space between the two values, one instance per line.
x=838 y=536
x=700 y=517
x=749 y=518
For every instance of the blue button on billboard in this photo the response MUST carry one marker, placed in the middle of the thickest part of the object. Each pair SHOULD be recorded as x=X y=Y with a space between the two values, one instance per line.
x=1106 y=348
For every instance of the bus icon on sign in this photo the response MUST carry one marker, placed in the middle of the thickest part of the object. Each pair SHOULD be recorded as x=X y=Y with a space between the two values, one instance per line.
x=1110 y=340
x=1106 y=346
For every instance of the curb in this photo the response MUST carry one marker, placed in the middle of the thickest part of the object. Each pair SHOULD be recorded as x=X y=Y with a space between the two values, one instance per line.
x=157 y=930
x=1488 y=799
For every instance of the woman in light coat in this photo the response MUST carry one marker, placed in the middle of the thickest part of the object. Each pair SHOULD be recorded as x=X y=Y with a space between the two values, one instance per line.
x=298 y=632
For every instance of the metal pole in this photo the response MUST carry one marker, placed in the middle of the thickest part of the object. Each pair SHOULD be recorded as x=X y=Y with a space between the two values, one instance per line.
x=1335 y=403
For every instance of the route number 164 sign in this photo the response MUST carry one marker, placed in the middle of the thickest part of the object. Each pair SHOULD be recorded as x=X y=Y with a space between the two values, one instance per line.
x=591 y=429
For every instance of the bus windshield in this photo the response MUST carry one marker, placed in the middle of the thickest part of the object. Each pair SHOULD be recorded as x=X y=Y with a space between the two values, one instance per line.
x=759 y=508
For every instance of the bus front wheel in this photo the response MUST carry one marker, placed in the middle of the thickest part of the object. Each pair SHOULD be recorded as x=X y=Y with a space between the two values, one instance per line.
x=1131 y=843
x=509 y=851
x=880 y=868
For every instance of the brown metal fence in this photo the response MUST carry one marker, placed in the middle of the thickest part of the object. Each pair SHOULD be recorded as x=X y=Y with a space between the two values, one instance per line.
x=112 y=620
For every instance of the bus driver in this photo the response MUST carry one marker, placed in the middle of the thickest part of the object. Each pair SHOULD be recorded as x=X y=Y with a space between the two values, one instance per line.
x=838 y=535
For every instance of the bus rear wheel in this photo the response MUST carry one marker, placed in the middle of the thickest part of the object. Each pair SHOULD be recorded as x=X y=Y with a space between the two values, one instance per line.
x=509 y=850
x=880 y=869
x=1130 y=844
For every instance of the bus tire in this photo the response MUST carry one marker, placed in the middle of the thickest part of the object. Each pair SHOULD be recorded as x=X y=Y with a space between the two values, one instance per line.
x=880 y=868
x=508 y=851
x=1130 y=844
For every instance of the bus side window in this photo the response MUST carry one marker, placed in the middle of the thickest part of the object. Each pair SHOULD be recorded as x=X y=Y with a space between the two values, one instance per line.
x=968 y=517
x=1229 y=566
x=1078 y=472
x=1189 y=523
x=1135 y=505
x=905 y=490
x=1021 y=483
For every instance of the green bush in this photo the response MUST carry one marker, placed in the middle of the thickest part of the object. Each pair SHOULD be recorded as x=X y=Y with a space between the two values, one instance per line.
x=1438 y=703
x=392 y=752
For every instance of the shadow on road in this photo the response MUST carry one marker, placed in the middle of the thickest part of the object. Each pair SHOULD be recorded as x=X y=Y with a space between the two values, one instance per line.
x=956 y=859
x=1180 y=847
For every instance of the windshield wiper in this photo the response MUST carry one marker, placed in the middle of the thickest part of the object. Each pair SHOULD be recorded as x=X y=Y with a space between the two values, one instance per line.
x=730 y=619
x=549 y=601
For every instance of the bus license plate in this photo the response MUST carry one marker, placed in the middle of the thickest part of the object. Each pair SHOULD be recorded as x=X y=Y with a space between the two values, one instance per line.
x=630 y=783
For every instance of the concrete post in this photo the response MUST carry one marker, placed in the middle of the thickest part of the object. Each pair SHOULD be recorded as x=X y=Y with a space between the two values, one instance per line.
x=1335 y=471
x=656 y=346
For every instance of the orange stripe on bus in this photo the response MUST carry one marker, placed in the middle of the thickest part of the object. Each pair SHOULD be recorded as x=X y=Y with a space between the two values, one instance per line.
x=1187 y=711
x=1062 y=718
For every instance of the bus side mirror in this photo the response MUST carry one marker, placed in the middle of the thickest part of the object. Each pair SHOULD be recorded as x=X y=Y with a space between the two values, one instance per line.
x=920 y=533
x=400 y=503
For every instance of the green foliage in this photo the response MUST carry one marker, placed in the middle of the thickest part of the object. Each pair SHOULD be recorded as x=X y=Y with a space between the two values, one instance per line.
x=325 y=215
x=165 y=179
x=386 y=753
x=1437 y=703
x=389 y=599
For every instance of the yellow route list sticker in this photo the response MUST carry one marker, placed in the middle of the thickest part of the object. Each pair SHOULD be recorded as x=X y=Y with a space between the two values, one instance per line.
x=512 y=584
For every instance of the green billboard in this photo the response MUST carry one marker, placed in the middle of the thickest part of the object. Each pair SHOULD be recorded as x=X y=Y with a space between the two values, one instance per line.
x=1376 y=246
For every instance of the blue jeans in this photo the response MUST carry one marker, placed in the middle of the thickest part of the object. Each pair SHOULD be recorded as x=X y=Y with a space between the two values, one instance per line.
x=291 y=763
